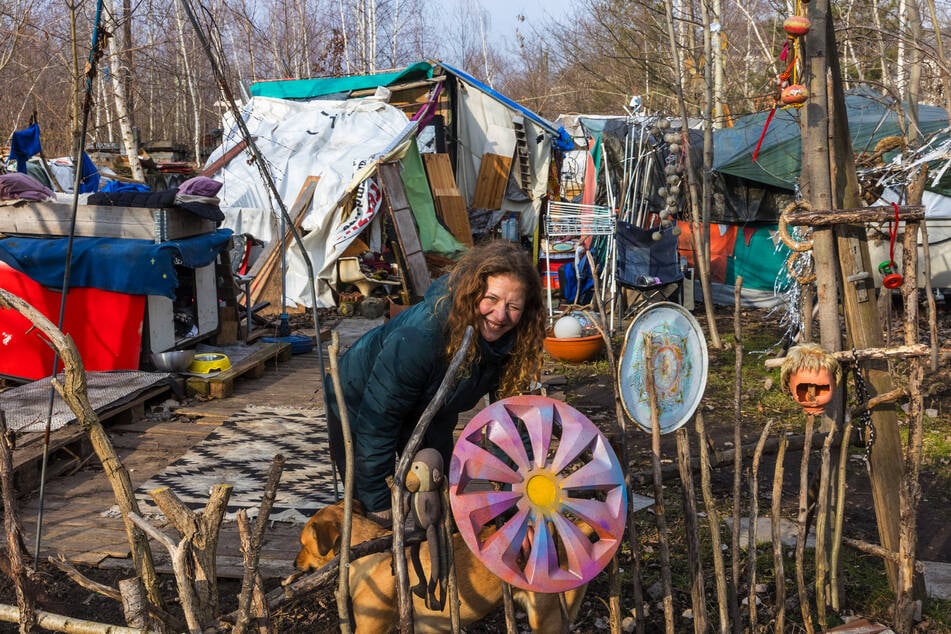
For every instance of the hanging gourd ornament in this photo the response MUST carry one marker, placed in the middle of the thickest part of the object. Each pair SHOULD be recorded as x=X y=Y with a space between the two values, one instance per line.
x=796 y=25
x=811 y=375
x=794 y=95
x=890 y=278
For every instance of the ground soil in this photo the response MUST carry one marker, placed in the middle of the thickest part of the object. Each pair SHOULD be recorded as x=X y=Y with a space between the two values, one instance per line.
x=589 y=388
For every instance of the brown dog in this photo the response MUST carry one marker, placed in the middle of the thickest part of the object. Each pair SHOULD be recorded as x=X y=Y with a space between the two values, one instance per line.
x=373 y=586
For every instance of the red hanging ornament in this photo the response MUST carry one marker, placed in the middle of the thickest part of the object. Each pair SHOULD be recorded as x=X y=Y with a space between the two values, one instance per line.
x=794 y=95
x=891 y=278
x=796 y=25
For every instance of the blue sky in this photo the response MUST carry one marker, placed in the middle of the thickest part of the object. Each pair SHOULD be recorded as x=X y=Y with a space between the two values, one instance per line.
x=504 y=13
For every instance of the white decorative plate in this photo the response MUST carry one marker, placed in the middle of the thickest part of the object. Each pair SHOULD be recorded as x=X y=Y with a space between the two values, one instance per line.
x=679 y=366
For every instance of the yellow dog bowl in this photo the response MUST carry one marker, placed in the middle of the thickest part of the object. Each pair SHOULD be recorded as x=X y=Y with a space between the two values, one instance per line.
x=208 y=362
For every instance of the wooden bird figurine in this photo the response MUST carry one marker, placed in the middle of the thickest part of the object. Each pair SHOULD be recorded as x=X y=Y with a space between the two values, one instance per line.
x=424 y=483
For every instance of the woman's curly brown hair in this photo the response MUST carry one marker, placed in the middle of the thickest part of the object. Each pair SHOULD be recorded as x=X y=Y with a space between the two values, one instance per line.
x=467 y=286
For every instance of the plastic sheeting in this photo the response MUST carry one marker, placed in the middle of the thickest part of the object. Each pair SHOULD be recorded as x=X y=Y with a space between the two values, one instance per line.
x=484 y=125
x=871 y=119
x=330 y=139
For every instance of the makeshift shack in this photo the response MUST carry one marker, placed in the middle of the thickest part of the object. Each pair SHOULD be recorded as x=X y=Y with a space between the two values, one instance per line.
x=466 y=157
x=141 y=274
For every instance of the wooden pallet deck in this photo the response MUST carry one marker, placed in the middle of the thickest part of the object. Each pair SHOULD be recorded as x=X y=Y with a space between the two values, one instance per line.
x=221 y=384
x=68 y=446
x=76 y=518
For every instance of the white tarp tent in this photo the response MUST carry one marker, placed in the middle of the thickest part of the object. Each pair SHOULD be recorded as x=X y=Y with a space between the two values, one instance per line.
x=329 y=139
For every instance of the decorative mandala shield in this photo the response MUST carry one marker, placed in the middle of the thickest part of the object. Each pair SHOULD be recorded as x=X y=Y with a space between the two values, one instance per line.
x=679 y=366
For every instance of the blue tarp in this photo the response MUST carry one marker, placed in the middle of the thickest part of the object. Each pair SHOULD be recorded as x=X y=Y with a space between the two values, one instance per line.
x=562 y=140
x=134 y=267
x=24 y=144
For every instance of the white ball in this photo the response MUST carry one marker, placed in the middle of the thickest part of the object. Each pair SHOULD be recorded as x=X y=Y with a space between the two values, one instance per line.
x=567 y=327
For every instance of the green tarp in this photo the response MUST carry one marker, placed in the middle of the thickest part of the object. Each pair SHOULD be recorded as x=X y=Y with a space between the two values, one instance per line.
x=433 y=237
x=325 y=86
x=756 y=257
x=778 y=162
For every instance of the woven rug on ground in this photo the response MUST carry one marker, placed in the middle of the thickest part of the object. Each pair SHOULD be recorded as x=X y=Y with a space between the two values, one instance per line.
x=240 y=453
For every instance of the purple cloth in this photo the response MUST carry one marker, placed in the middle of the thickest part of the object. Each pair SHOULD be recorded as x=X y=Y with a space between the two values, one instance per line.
x=200 y=186
x=17 y=186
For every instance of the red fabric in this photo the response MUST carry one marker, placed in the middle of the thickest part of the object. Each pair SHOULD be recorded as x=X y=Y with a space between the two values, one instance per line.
x=762 y=135
x=106 y=327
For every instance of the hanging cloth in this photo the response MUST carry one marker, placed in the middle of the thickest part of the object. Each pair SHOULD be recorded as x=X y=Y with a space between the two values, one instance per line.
x=88 y=176
x=24 y=144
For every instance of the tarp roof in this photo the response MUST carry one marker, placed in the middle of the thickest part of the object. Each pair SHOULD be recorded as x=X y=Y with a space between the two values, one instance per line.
x=871 y=118
x=325 y=86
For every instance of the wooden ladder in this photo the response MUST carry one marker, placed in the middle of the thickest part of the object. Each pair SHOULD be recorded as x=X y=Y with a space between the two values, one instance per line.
x=521 y=155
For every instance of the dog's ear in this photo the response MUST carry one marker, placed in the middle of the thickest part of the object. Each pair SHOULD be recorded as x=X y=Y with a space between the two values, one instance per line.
x=327 y=534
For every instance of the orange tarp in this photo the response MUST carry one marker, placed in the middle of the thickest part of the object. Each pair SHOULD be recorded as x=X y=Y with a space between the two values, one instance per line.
x=722 y=238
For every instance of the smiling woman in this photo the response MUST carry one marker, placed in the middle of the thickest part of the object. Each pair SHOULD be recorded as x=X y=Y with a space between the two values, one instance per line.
x=391 y=374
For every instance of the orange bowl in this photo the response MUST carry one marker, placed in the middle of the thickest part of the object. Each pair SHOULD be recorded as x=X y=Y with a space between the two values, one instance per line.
x=574 y=349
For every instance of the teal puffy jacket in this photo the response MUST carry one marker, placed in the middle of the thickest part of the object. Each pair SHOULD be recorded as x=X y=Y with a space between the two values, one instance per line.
x=390 y=375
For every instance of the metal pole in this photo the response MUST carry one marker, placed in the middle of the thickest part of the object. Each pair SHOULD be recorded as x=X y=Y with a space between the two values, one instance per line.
x=94 y=54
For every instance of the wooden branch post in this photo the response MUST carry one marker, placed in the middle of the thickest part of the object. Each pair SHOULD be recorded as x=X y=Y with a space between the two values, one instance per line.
x=73 y=391
x=198 y=547
x=343 y=578
x=829 y=178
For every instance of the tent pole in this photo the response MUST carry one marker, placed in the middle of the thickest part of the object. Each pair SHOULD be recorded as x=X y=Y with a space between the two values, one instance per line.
x=265 y=174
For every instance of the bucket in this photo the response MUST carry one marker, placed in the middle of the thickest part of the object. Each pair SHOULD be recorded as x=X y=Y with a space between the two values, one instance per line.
x=397 y=306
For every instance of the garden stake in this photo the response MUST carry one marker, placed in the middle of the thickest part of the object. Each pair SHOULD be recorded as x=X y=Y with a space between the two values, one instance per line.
x=836 y=545
x=801 y=533
x=658 y=487
x=343 y=576
x=713 y=517
x=697 y=594
x=621 y=423
x=776 y=516
x=932 y=318
x=399 y=479
x=452 y=588
x=26 y=592
x=822 y=528
x=252 y=584
x=737 y=457
x=909 y=496
x=754 y=517
x=614 y=595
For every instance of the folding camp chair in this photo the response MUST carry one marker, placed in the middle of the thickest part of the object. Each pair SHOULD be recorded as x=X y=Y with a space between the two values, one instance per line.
x=650 y=267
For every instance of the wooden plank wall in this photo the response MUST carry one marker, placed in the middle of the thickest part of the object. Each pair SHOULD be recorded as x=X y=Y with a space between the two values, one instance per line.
x=450 y=204
x=405 y=225
x=491 y=181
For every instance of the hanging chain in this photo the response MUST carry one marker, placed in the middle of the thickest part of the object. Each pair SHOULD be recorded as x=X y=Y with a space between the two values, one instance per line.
x=865 y=418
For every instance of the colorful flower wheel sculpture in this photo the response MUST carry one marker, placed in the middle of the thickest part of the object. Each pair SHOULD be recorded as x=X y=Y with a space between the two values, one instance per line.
x=538 y=493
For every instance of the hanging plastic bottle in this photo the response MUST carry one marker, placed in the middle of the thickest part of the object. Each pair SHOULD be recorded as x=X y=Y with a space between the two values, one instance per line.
x=510 y=228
